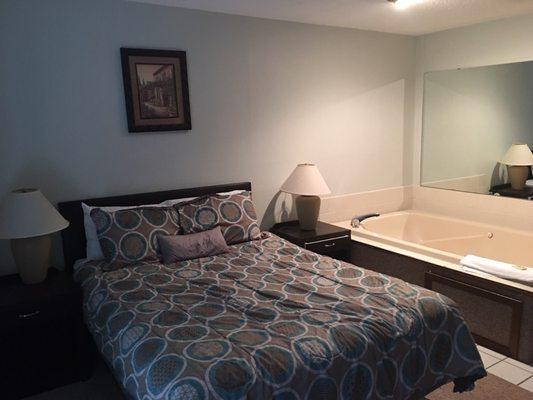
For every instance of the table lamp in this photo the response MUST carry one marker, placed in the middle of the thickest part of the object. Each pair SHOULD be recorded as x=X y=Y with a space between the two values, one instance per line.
x=28 y=219
x=306 y=182
x=519 y=160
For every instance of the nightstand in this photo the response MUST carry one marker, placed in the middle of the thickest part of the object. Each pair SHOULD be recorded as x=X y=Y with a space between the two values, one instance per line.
x=507 y=191
x=43 y=342
x=326 y=239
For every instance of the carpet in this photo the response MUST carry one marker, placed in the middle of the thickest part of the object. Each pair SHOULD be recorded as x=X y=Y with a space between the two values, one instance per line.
x=102 y=386
x=489 y=388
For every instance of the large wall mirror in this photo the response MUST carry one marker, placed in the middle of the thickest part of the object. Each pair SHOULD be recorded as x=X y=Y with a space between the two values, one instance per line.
x=478 y=130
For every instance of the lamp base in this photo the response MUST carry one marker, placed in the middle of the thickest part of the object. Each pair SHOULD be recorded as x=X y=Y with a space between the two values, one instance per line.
x=518 y=176
x=307 y=208
x=32 y=257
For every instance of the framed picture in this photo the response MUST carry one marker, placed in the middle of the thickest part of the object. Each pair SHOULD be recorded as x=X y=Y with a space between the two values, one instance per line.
x=156 y=90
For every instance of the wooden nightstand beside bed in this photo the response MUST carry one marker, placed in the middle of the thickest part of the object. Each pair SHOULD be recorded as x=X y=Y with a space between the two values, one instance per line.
x=42 y=336
x=326 y=239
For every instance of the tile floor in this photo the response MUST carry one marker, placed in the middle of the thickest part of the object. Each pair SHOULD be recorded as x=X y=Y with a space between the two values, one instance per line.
x=506 y=368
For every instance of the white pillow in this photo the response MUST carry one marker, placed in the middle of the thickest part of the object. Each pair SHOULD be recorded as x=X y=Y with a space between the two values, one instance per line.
x=93 y=249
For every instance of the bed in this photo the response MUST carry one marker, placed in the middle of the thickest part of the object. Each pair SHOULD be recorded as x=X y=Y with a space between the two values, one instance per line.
x=266 y=320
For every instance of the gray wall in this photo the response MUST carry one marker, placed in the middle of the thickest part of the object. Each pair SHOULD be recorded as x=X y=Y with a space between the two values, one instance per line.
x=265 y=95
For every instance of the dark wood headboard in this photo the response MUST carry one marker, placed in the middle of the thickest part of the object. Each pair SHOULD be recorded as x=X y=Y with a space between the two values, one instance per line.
x=74 y=236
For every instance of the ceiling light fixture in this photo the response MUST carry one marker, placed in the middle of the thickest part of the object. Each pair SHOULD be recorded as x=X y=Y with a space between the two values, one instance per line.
x=403 y=4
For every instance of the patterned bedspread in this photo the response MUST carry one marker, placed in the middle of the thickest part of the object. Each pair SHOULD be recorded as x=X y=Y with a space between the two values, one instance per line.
x=270 y=320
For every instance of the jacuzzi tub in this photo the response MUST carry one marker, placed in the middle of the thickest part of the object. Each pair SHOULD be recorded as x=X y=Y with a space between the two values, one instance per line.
x=444 y=238
x=426 y=249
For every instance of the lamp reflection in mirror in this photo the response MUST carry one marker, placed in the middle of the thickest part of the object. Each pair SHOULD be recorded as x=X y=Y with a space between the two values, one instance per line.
x=306 y=182
x=519 y=160
x=28 y=219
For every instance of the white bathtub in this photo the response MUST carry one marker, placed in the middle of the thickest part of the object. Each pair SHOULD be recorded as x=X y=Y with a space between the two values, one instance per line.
x=444 y=238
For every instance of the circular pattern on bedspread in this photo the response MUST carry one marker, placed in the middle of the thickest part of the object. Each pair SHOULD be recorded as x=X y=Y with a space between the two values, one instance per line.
x=322 y=388
x=102 y=221
x=127 y=219
x=440 y=353
x=380 y=332
x=275 y=364
x=131 y=336
x=314 y=353
x=153 y=239
x=261 y=314
x=170 y=318
x=234 y=234
x=352 y=309
x=249 y=337
x=162 y=372
x=230 y=379
x=413 y=367
x=187 y=389
x=433 y=312
x=125 y=285
x=319 y=318
x=348 y=273
x=227 y=323
x=133 y=246
x=249 y=209
x=290 y=329
x=108 y=247
x=387 y=376
x=350 y=291
x=463 y=343
x=149 y=307
x=253 y=230
x=157 y=279
x=374 y=281
x=206 y=217
x=154 y=216
x=187 y=333
x=230 y=211
x=118 y=322
x=147 y=351
x=207 y=350
x=357 y=383
x=349 y=340
x=206 y=310
x=137 y=295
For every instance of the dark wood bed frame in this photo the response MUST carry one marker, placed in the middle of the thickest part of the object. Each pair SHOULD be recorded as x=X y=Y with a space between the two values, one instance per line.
x=74 y=236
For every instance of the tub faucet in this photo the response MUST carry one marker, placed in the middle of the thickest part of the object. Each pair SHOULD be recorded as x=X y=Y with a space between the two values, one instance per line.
x=356 y=221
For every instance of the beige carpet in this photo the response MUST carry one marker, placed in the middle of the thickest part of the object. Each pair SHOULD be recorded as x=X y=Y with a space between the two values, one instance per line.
x=102 y=386
x=489 y=388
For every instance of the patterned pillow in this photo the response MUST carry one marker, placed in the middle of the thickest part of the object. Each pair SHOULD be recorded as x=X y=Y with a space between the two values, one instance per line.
x=234 y=213
x=128 y=236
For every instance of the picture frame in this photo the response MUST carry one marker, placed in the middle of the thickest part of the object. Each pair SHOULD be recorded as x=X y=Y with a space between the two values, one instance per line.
x=156 y=90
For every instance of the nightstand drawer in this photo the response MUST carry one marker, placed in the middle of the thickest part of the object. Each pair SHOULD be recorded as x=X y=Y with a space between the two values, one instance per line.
x=35 y=314
x=329 y=246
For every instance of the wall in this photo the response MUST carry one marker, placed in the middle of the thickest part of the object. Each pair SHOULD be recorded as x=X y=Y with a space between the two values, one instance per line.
x=265 y=95
x=498 y=42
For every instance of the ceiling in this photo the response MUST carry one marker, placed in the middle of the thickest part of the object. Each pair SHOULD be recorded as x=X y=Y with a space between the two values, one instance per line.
x=411 y=17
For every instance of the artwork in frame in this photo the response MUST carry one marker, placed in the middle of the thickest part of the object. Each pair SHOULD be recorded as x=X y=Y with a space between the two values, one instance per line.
x=156 y=90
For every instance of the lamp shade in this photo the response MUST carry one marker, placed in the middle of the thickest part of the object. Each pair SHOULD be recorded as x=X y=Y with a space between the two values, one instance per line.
x=305 y=180
x=518 y=155
x=26 y=213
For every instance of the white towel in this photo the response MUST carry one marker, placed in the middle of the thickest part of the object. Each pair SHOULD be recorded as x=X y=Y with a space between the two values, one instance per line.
x=498 y=268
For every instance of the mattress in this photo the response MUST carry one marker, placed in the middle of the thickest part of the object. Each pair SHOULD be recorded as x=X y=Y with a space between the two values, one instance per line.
x=270 y=320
